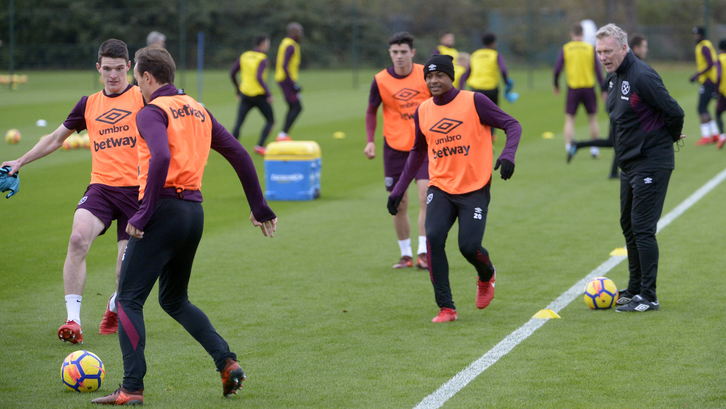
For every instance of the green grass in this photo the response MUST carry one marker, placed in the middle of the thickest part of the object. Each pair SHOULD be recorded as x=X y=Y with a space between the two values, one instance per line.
x=317 y=316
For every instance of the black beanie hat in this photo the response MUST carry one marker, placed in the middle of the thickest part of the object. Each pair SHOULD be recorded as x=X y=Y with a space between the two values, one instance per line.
x=440 y=62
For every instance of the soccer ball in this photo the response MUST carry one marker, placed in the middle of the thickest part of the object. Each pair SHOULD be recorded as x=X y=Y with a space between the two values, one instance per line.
x=82 y=371
x=601 y=293
x=12 y=136
x=72 y=142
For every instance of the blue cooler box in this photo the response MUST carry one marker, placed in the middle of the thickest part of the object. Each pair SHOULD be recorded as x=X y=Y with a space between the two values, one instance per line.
x=292 y=170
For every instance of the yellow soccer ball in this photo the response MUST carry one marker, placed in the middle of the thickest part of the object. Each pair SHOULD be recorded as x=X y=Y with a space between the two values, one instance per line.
x=82 y=371
x=12 y=136
x=601 y=293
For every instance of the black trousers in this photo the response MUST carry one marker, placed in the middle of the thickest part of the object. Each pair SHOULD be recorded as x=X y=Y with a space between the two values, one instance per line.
x=441 y=212
x=247 y=103
x=166 y=252
x=293 y=110
x=642 y=193
x=601 y=143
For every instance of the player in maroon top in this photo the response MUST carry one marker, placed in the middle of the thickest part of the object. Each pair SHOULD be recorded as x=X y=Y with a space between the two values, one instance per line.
x=103 y=202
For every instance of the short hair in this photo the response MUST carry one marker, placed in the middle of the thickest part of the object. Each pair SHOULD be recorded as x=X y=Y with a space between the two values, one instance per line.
x=636 y=40
x=577 y=29
x=722 y=44
x=611 y=30
x=259 y=39
x=113 y=48
x=294 y=26
x=157 y=62
x=488 y=38
x=155 y=37
x=404 y=37
x=444 y=33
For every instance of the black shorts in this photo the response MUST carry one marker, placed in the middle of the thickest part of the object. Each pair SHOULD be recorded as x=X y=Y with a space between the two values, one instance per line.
x=492 y=94
x=705 y=94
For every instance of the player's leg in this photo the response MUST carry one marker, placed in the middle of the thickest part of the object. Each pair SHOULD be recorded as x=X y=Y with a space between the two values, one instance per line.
x=109 y=323
x=441 y=214
x=243 y=110
x=649 y=192
x=626 y=224
x=293 y=108
x=393 y=163
x=720 y=108
x=589 y=100
x=571 y=105
x=421 y=254
x=707 y=133
x=266 y=110
x=473 y=208
x=86 y=227
x=293 y=111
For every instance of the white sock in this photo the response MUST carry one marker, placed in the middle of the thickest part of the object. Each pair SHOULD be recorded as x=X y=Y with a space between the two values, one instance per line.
x=73 y=307
x=714 y=127
x=594 y=150
x=405 y=246
x=722 y=136
x=567 y=147
x=112 y=303
x=705 y=130
x=422 y=245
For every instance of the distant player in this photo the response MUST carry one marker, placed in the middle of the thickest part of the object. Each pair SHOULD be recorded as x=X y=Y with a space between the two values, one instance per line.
x=400 y=88
x=453 y=130
x=706 y=76
x=286 y=75
x=583 y=71
x=721 y=89
x=157 y=39
x=113 y=194
x=254 y=92
x=638 y=43
x=446 y=46
x=177 y=135
x=485 y=66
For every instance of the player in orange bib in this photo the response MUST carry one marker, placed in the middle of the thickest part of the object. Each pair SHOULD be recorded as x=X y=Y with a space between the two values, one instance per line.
x=177 y=134
x=454 y=130
x=400 y=88
x=110 y=118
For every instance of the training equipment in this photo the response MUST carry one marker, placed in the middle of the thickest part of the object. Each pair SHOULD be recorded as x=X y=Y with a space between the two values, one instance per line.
x=71 y=332
x=82 y=371
x=12 y=136
x=339 y=135
x=601 y=293
x=7 y=182
x=292 y=170
x=485 y=291
x=232 y=377
x=446 y=315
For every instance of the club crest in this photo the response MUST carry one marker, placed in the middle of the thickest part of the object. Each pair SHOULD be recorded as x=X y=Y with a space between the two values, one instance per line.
x=626 y=87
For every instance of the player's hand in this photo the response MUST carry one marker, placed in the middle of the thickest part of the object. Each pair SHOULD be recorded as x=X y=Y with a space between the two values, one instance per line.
x=134 y=232
x=557 y=91
x=268 y=228
x=13 y=165
x=370 y=150
x=507 y=168
x=270 y=99
x=393 y=204
x=694 y=78
x=239 y=97
x=604 y=96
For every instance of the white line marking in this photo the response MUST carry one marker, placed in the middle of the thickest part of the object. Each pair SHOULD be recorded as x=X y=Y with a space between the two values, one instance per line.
x=458 y=382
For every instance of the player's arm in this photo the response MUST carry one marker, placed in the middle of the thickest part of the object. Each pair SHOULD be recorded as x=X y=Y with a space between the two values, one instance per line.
x=261 y=79
x=229 y=147
x=559 y=64
x=652 y=91
x=502 y=67
x=289 y=51
x=709 y=63
x=44 y=147
x=374 y=101
x=233 y=74
x=151 y=122
x=491 y=115
x=416 y=158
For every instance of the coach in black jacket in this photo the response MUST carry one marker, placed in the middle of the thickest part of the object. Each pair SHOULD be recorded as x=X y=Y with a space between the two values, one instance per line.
x=645 y=121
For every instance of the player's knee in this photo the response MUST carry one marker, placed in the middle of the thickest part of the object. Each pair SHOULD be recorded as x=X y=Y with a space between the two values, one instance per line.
x=171 y=306
x=78 y=243
x=469 y=250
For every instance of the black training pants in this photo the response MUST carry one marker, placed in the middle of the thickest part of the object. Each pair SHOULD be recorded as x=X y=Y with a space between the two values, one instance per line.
x=166 y=252
x=642 y=193
x=441 y=212
x=247 y=103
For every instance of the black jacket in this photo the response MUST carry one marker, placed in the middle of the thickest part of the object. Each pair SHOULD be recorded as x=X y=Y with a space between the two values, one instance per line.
x=644 y=119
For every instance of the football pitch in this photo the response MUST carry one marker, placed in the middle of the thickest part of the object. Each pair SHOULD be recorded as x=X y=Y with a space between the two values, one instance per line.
x=317 y=316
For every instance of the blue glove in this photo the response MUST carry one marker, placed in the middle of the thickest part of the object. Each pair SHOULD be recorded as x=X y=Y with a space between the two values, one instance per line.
x=510 y=85
x=11 y=183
